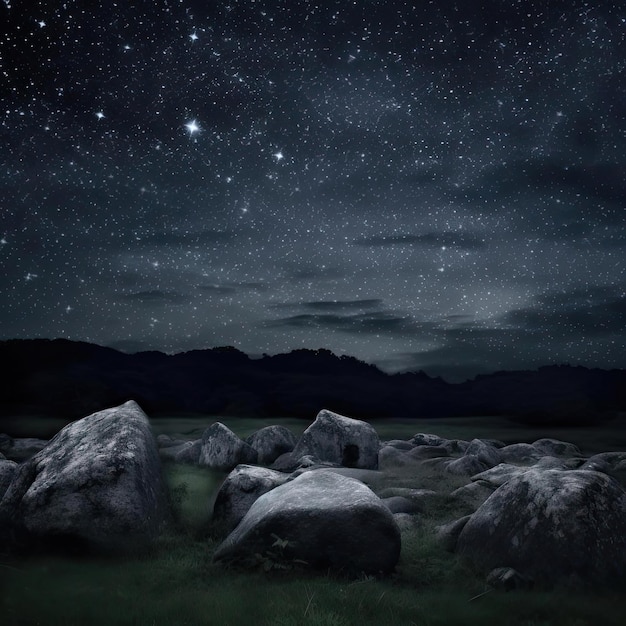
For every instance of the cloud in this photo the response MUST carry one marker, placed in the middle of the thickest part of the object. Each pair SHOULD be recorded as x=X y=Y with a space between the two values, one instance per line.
x=464 y=241
x=230 y=288
x=337 y=306
x=583 y=312
x=155 y=296
x=374 y=323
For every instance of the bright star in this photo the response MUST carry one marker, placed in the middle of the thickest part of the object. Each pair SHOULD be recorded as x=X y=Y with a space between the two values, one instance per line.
x=193 y=37
x=99 y=115
x=192 y=127
x=279 y=156
x=41 y=23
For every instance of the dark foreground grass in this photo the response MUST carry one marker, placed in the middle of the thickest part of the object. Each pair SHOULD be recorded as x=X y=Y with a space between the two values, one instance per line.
x=177 y=584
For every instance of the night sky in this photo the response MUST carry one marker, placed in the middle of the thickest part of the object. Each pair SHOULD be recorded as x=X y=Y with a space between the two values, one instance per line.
x=423 y=185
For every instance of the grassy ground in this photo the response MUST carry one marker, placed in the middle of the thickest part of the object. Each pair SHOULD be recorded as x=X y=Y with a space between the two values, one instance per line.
x=177 y=583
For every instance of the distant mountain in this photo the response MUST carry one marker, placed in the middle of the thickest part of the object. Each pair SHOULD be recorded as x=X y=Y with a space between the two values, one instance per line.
x=72 y=379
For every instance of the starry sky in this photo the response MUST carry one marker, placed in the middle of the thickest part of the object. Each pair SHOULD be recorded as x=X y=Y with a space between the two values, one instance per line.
x=429 y=185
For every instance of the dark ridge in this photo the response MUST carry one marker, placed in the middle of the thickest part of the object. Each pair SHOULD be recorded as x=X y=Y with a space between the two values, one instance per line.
x=71 y=379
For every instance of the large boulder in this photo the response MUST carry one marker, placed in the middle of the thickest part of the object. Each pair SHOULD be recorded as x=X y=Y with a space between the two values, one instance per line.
x=342 y=440
x=7 y=472
x=566 y=528
x=485 y=451
x=222 y=450
x=97 y=484
x=244 y=485
x=321 y=518
x=270 y=442
x=555 y=447
x=520 y=453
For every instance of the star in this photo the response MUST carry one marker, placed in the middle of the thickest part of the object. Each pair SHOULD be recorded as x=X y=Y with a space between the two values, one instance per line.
x=100 y=115
x=193 y=37
x=279 y=156
x=41 y=23
x=29 y=276
x=192 y=127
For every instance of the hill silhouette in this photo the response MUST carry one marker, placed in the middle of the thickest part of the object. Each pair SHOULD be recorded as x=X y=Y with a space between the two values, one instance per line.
x=71 y=379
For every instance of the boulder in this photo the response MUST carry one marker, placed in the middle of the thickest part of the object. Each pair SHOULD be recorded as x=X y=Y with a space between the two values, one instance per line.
x=189 y=453
x=474 y=494
x=499 y=474
x=391 y=458
x=270 y=442
x=520 y=453
x=428 y=452
x=466 y=466
x=560 y=528
x=222 y=450
x=97 y=484
x=554 y=447
x=448 y=534
x=455 y=446
x=7 y=472
x=400 y=504
x=371 y=478
x=342 y=440
x=484 y=451
x=324 y=519
x=426 y=439
x=244 y=485
x=398 y=444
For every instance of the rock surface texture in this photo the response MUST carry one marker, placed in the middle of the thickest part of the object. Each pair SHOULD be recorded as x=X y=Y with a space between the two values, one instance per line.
x=270 y=442
x=342 y=440
x=97 y=484
x=222 y=450
x=244 y=485
x=557 y=527
x=323 y=519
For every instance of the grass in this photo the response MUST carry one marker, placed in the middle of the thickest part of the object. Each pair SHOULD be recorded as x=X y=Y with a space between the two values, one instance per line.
x=177 y=583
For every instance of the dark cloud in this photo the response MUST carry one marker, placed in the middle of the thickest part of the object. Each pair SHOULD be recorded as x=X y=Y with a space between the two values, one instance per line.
x=337 y=306
x=375 y=323
x=464 y=241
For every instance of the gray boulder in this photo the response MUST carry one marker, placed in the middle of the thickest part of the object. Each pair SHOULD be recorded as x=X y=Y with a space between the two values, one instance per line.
x=428 y=452
x=500 y=474
x=222 y=450
x=455 y=446
x=97 y=484
x=342 y=440
x=7 y=472
x=554 y=447
x=390 y=458
x=270 y=442
x=447 y=534
x=400 y=504
x=398 y=444
x=244 y=485
x=466 y=466
x=426 y=439
x=520 y=453
x=189 y=452
x=566 y=528
x=474 y=494
x=484 y=451
x=324 y=519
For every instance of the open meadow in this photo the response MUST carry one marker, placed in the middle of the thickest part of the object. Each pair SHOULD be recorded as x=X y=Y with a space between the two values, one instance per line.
x=176 y=582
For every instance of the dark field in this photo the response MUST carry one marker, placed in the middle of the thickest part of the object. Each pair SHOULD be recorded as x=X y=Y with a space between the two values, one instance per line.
x=177 y=584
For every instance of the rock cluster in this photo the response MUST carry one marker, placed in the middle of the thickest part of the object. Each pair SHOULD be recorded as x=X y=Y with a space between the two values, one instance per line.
x=525 y=514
